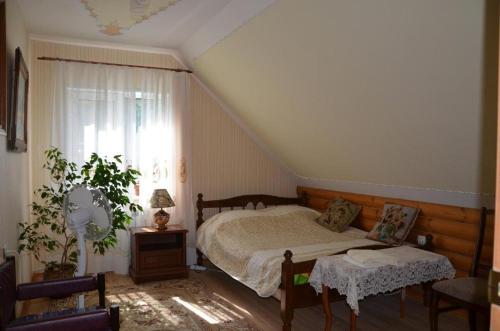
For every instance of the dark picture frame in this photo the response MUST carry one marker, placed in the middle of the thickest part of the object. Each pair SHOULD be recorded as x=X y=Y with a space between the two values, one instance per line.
x=3 y=69
x=17 y=131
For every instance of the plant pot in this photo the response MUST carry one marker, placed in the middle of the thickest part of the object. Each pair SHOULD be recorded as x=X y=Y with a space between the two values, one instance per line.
x=58 y=271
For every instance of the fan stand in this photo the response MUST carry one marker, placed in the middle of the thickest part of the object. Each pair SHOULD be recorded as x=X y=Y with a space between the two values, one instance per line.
x=82 y=261
x=83 y=206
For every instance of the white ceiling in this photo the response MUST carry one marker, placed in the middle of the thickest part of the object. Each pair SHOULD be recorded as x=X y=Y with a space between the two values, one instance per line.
x=190 y=26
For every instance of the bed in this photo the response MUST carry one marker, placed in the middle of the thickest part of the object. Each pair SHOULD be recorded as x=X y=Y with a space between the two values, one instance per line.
x=275 y=254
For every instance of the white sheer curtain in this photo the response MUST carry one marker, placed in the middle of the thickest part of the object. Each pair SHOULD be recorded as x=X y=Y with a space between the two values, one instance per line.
x=141 y=114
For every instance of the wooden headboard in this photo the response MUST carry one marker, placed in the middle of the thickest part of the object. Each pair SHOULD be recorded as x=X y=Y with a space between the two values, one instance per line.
x=243 y=201
x=455 y=229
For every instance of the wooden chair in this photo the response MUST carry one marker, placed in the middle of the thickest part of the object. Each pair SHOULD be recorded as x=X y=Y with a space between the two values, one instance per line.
x=470 y=293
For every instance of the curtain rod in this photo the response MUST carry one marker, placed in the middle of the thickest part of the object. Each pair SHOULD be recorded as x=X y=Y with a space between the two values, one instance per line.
x=45 y=58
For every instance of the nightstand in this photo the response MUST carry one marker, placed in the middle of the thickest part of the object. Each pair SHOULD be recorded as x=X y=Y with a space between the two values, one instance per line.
x=158 y=254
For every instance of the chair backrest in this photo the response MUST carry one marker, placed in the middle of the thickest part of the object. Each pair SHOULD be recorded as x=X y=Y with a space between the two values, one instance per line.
x=7 y=292
x=479 y=243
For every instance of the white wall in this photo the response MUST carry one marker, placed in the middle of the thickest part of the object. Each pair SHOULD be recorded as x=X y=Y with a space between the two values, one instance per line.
x=14 y=181
x=381 y=97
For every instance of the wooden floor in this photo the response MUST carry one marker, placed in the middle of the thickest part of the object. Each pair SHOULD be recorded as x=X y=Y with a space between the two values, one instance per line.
x=376 y=313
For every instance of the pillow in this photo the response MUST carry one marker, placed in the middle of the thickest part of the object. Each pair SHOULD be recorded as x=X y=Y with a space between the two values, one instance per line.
x=339 y=214
x=394 y=225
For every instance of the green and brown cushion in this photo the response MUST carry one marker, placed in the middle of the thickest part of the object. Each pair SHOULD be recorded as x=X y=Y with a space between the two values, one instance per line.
x=394 y=225
x=339 y=214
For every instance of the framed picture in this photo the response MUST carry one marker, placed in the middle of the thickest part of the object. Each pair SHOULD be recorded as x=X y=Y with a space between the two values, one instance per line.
x=3 y=70
x=17 y=131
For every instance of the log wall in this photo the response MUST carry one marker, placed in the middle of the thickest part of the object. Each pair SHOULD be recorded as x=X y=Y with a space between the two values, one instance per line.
x=455 y=229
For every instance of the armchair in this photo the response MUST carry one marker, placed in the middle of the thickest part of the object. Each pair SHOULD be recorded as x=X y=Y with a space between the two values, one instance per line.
x=72 y=319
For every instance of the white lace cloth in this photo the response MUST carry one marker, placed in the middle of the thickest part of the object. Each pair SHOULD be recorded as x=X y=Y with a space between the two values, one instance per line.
x=414 y=266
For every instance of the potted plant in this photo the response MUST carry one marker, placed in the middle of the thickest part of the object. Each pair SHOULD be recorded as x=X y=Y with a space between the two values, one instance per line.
x=48 y=232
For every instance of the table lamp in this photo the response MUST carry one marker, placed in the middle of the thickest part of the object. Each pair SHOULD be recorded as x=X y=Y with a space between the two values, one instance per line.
x=161 y=199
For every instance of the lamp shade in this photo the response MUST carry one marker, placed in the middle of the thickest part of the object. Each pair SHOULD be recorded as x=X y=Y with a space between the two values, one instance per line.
x=161 y=199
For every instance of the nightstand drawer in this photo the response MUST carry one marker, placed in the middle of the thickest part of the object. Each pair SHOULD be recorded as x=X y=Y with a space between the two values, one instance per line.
x=155 y=259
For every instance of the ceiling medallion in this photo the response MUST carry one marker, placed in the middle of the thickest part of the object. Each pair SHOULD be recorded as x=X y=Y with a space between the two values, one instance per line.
x=115 y=15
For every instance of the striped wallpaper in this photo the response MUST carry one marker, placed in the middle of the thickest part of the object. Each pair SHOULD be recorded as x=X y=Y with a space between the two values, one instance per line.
x=226 y=162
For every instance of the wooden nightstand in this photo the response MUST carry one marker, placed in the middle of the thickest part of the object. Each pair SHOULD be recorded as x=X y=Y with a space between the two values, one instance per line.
x=158 y=254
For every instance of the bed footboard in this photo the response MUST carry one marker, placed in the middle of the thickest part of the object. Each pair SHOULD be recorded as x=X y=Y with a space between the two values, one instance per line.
x=299 y=295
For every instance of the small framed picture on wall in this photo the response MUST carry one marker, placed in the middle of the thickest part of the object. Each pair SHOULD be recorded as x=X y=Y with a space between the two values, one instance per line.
x=17 y=131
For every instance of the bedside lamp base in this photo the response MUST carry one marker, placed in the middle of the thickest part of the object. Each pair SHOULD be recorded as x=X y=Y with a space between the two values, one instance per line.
x=161 y=219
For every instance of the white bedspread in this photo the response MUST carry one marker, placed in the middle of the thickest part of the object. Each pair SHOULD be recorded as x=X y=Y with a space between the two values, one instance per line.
x=249 y=244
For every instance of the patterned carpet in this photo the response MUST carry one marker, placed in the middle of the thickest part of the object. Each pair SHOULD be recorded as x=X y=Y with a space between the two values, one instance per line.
x=181 y=304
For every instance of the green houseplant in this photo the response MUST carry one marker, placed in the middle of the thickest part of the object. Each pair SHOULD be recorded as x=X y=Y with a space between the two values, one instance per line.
x=48 y=231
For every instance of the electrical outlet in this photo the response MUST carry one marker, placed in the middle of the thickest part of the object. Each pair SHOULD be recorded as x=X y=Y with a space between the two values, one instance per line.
x=421 y=240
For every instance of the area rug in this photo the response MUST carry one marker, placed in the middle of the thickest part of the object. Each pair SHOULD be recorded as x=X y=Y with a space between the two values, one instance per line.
x=181 y=304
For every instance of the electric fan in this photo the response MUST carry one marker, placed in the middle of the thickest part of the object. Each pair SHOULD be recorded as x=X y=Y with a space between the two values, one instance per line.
x=89 y=215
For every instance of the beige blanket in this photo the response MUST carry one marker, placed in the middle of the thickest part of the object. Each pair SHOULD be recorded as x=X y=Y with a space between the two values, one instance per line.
x=249 y=244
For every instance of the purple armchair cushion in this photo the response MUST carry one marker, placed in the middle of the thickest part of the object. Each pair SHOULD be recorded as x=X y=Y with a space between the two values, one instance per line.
x=56 y=288
x=83 y=320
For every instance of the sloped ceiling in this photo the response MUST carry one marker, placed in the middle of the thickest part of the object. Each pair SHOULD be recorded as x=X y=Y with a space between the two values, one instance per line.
x=396 y=92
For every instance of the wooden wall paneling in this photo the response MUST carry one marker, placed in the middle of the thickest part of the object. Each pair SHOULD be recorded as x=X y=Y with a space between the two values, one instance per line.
x=455 y=229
